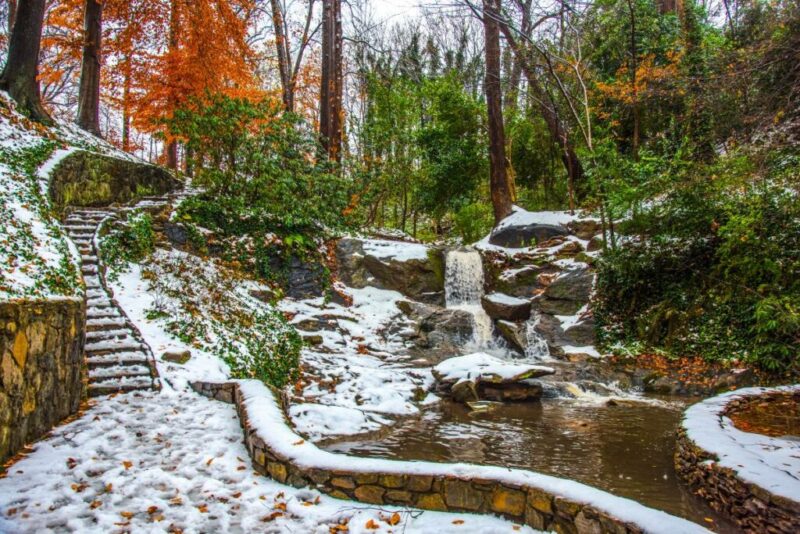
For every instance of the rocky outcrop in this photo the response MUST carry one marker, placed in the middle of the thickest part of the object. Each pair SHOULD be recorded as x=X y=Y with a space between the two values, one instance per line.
x=42 y=376
x=92 y=179
x=415 y=270
x=439 y=332
x=500 y=306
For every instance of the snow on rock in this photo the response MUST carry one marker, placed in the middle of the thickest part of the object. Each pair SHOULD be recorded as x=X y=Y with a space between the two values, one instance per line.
x=175 y=461
x=522 y=217
x=267 y=419
x=395 y=250
x=771 y=463
x=485 y=367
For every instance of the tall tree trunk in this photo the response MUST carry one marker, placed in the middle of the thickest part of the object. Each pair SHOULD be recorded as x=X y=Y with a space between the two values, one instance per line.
x=89 y=92
x=549 y=112
x=21 y=70
x=12 y=13
x=282 y=46
x=330 y=109
x=171 y=146
x=126 y=105
x=500 y=188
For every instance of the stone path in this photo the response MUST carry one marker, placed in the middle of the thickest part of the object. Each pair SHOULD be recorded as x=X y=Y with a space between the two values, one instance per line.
x=117 y=357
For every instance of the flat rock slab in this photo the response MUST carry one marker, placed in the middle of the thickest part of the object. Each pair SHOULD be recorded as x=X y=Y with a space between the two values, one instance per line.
x=481 y=376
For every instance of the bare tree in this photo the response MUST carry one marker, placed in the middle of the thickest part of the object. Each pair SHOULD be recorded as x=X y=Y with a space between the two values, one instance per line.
x=288 y=67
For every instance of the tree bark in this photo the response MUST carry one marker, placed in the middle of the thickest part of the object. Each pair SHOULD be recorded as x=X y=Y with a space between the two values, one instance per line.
x=498 y=163
x=330 y=115
x=12 y=13
x=19 y=76
x=282 y=46
x=89 y=92
x=171 y=147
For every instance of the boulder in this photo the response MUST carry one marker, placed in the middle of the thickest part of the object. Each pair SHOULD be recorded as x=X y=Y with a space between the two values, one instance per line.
x=177 y=356
x=514 y=333
x=568 y=293
x=569 y=249
x=525 y=235
x=500 y=306
x=580 y=334
x=304 y=279
x=415 y=270
x=595 y=243
x=443 y=333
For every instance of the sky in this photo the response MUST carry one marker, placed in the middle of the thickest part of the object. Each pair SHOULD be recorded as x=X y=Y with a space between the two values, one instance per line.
x=395 y=9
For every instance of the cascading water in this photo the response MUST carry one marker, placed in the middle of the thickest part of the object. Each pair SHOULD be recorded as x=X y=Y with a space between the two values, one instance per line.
x=536 y=345
x=463 y=289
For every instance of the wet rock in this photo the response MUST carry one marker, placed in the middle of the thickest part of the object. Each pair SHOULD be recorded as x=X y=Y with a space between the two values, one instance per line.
x=595 y=243
x=580 y=334
x=315 y=324
x=525 y=235
x=176 y=233
x=304 y=279
x=514 y=333
x=443 y=333
x=500 y=306
x=178 y=356
x=568 y=293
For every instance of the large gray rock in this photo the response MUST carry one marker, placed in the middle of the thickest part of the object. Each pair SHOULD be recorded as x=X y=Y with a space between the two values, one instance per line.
x=437 y=333
x=568 y=293
x=500 y=306
x=514 y=333
x=418 y=274
x=525 y=235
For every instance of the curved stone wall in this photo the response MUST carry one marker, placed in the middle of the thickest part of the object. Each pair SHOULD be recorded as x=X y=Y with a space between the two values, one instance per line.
x=737 y=483
x=91 y=179
x=540 y=501
x=42 y=376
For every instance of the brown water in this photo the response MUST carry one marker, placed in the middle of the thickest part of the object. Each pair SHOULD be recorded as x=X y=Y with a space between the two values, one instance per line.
x=626 y=449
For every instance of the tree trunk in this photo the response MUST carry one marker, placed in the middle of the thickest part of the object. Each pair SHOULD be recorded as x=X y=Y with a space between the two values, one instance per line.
x=21 y=70
x=89 y=92
x=171 y=145
x=282 y=46
x=330 y=108
x=126 y=105
x=12 y=13
x=500 y=188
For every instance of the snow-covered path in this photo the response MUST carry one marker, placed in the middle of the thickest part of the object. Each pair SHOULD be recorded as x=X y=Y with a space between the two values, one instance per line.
x=174 y=462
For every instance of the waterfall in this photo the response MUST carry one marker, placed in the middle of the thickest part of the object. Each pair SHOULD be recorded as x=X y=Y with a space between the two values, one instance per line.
x=536 y=347
x=463 y=289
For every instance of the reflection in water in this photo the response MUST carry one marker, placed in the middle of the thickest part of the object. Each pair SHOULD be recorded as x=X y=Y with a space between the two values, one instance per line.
x=625 y=449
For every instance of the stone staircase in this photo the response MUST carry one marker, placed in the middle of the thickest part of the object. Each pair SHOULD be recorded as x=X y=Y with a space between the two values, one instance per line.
x=117 y=357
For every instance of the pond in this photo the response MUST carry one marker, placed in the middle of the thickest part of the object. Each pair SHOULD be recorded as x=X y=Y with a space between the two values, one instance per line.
x=626 y=449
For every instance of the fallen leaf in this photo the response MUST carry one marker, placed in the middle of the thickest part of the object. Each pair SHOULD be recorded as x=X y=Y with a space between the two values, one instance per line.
x=237 y=495
x=271 y=517
x=458 y=521
x=209 y=461
x=71 y=463
x=395 y=519
x=203 y=508
x=280 y=506
x=95 y=504
x=176 y=501
x=372 y=525
x=152 y=510
x=127 y=515
x=127 y=464
x=299 y=442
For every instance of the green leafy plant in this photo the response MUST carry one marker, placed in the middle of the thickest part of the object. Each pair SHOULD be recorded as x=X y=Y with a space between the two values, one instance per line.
x=128 y=242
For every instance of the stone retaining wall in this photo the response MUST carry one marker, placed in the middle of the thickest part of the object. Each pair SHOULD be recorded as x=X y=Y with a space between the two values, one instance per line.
x=522 y=504
x=752 y=507
x=42 y=376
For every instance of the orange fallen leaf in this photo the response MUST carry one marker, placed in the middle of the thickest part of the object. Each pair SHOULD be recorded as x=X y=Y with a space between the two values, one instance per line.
x=127 y=464
x=237 y=495
x=153 y=509
x=372 y=525
x=395 y=519
x=209 y=461
x=458 y=521
x=126 y=515
x=203 y=508
x=95 y=504
x=271 y=517
x=299 y=442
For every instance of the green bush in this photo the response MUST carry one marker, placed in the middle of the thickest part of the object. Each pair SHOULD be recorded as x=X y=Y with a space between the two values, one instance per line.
x=714 y=270
x=128 y=242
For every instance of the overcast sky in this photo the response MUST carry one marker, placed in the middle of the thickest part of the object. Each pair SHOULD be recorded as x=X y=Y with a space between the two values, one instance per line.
x=395 y=9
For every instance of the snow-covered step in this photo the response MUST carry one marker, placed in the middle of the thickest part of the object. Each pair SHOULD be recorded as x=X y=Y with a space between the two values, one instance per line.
x=88 y=258
x=96 y=293
x=110 y=323
x=99 y=335
x=117 y=371
x=112 y=385
x=116 y=345
x=87 y=268
x=97 y=313
x=117 y=359
x=99 y=302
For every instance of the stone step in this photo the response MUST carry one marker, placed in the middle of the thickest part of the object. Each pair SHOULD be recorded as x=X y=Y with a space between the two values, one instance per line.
x=96 y=293
x=124 y=385
x=98 y=313
x=111 y=346
x=100 y=335
x=88 y=258
x=88 y=269
x=99 y=302
x=98 y=374
x=117 y=359
x=111 y=323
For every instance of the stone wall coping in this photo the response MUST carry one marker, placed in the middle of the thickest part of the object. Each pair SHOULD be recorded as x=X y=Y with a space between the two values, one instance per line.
x=709 y=429
x=45 y=300
x=289 y=457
